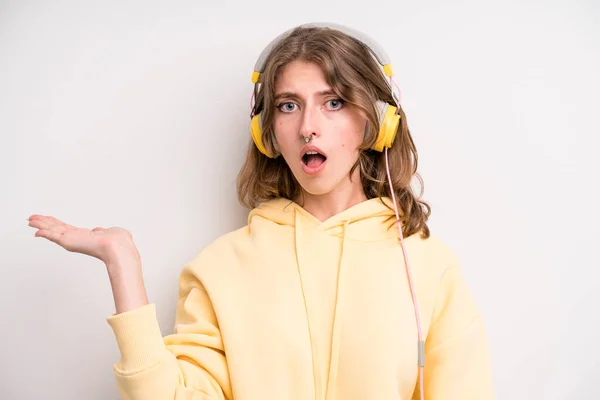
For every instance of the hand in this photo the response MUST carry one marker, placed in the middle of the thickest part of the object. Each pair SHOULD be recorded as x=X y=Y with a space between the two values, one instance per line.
x=107 y=245
x=114 y=246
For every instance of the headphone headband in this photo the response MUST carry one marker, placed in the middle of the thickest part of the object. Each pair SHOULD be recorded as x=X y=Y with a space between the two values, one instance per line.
x=377 y=51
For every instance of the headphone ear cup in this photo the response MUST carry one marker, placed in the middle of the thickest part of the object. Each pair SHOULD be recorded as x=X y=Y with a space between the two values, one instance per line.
x=256 y=132
x=388 y=125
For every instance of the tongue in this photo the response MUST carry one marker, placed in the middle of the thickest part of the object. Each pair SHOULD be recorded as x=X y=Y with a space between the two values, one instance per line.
x=314 y=160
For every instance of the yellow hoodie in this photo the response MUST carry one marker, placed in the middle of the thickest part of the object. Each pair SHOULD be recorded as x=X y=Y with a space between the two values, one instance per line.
x=289 y=307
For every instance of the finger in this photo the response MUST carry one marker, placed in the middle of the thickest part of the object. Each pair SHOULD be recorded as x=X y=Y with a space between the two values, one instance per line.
x=35 y=216
x=58 y=222
x=39 y=223
x=53 y=236
x=39 y=217
x=50 y=223
x=43 y=217
x=48 y=226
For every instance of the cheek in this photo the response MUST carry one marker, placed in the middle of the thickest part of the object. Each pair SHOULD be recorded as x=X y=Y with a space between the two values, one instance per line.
x=284 y=135
x=348 y=143
x=351 y=138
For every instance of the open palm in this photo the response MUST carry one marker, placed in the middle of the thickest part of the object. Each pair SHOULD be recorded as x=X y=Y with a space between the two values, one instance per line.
x=99 y=242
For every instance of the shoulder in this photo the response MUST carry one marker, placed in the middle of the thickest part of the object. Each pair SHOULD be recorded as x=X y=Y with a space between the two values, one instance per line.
x=215 y=260
x=441 y=285
x=229 y=252
x=221 y=249
x=436 y=267
x=439 y=252
x=435 y=254
x=197 y=273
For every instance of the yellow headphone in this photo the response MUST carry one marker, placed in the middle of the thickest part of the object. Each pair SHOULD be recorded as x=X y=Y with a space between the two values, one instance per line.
x=388 y=118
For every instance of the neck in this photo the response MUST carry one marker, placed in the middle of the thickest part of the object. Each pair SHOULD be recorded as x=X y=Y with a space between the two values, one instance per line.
x=325 y=206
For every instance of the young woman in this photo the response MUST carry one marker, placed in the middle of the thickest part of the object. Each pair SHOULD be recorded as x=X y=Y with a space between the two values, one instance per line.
x=335 y=289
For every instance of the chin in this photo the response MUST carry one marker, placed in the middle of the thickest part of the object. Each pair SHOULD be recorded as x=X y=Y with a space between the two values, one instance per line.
x=316 y=190
x=317 y=186
x=320 y=184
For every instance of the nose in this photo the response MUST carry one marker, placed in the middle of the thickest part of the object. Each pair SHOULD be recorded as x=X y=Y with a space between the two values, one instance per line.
x=309 y=125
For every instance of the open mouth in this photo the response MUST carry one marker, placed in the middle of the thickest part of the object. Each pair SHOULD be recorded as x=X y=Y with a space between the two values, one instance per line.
x=313 y=159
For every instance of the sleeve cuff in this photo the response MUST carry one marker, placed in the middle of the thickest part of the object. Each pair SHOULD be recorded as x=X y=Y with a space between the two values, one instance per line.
x=139 y=338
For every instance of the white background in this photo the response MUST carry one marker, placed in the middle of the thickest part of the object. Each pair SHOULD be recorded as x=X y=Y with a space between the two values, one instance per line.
x=136 y=115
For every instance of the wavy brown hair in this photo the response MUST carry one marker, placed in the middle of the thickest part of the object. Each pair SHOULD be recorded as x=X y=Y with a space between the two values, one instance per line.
x=357 y=78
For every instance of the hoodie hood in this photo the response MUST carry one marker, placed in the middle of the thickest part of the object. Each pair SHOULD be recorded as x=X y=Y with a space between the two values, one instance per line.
x=368 y=221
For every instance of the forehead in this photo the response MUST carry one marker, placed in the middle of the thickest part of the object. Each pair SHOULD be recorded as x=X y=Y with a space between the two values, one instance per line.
x=301 y=76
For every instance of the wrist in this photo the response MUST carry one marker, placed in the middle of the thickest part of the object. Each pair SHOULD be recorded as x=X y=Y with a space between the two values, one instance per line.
x=119 y=255
x=128 y=295
x=127 y=283
x=124 y=268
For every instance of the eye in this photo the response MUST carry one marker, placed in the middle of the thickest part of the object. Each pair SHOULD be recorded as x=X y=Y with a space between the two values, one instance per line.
x=286 y=107
x=335 y=104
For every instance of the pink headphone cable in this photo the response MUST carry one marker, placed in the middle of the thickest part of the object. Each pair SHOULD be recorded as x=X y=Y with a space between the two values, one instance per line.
x=421 y=346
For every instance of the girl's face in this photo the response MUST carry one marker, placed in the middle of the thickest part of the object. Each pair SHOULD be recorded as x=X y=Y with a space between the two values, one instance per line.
x=306 y=106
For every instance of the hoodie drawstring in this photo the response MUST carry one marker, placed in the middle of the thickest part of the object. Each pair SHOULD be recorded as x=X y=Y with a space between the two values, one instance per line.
x=299 y=261
x=337 y=321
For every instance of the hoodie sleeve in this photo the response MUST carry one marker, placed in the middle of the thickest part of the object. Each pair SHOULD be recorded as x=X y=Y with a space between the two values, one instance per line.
x=457 y=359
x=190 y=363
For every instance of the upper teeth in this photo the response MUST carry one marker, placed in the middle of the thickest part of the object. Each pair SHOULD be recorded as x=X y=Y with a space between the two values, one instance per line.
x=311 y=152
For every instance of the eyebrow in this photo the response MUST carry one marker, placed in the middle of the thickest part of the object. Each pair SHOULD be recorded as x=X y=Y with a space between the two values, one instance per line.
x=289 y=95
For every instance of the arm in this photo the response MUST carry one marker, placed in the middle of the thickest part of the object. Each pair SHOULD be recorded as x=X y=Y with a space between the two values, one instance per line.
x=188 y=364
x=457 y=360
